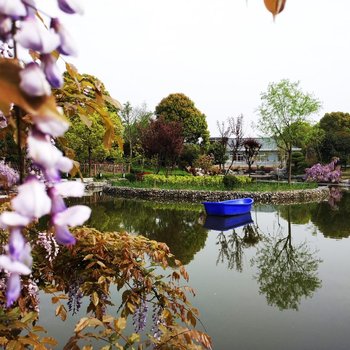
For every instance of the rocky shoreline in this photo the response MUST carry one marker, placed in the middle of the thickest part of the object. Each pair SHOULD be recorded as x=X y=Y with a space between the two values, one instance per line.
x=282 y=197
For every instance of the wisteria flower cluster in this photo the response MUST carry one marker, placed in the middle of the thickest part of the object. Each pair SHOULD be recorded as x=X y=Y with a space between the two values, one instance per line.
x=9 y=173
x=324 y=173
x=20 y=25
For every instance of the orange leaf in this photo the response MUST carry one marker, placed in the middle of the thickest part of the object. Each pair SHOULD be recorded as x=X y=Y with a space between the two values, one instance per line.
x=275 y=6
x=11 y=93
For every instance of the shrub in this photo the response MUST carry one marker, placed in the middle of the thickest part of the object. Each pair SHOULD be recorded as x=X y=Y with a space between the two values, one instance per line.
x=183 y=180
x=324 y=173
x=231 y=181
x=131 y=177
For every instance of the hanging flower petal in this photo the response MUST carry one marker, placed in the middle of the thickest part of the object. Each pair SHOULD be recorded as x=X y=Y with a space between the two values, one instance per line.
x=33 y=35
x=52 y=126
x=25 y=256
x=63 y=236
x=13 y=219
x=57 y=201
x=67 y=45
x=13 y=266
x=16 y=244
x=32 y=200
x=70 y=6
x=5 y=27
x=33 y=81
x=31 y=7
x=52 y=73
x=73 y=216
x=42 y=151
x=13 y=8
x=13 y=289
x=70 y=189
x=64 y=164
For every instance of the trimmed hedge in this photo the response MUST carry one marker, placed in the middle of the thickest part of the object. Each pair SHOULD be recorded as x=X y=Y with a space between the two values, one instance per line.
x=232 y=181
x=153 y=179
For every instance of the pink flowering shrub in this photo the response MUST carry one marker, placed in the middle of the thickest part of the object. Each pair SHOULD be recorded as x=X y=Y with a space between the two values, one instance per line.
x=323 y=173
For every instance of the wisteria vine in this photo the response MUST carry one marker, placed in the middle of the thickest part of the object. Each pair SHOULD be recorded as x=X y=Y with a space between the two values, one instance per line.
x=20 y=25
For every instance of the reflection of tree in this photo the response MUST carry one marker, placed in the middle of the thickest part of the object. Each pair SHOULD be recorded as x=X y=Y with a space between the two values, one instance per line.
x=232 y=247
x=333 y=223
x=286 y=273
x=299 y=213
x=175 y=225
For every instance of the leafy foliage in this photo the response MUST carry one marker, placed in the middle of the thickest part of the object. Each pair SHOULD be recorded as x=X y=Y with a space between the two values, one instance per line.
x=179 y=108
x=101 y=261
x=284 y=104
x=164 y=140
x=134 y=119
x=204 y=162
x=84 y=95
x=232 y=181
x=251 y=150
x=336 y=143
x=87 y=142
x=182 y=180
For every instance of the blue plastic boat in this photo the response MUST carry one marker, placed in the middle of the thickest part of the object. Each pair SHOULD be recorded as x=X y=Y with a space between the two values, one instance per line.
x=224 y=223
x=230 y=207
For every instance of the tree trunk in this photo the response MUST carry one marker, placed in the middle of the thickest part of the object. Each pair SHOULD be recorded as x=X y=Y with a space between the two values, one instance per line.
x=289 y=161
x=130 y=156
x=21 y=159
x=89 y=154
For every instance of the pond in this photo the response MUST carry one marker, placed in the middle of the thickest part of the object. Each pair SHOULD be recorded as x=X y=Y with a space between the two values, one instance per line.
x=279 y=282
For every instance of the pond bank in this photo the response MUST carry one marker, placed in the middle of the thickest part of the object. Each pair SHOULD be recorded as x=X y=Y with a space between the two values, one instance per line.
x=281 y=197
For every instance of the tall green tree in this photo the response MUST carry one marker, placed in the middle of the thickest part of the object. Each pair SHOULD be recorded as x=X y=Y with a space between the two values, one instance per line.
x=87 y=141
x=132 y=118
x=336 y=143
x=179 y=108
x=309 y=137
x=283 y=104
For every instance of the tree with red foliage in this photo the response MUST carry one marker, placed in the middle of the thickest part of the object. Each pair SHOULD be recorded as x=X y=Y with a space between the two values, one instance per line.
x=163 y=139
x=251 y=150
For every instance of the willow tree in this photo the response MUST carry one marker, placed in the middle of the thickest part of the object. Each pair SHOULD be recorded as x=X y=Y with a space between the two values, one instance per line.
x=284 y=104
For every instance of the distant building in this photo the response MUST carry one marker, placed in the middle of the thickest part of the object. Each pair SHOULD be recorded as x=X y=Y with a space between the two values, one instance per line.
x=269 y=155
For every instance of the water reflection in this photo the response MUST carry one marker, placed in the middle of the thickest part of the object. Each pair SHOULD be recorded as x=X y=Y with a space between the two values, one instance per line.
x=287 y=273
x=176 y=224
x=231 y=246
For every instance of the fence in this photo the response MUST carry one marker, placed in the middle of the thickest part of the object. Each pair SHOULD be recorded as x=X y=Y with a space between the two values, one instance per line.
x=102 y=168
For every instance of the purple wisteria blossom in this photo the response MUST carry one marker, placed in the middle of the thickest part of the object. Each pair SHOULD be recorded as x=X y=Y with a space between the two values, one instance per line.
x=33 y=35
x=52 y=73
x=13 y=8
x=33 y=81
x=70 y=6
x=157 y=321
x=67 y=46
x=48 y=242
x=9 y=173
x=38 y=197
x=75 y=296
x=140 y=316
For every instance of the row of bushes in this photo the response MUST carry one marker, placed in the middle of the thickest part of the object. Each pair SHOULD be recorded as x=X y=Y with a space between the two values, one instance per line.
x=229 y=181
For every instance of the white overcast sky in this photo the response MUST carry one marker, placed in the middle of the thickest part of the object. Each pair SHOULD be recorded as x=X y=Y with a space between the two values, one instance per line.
x=220 y=53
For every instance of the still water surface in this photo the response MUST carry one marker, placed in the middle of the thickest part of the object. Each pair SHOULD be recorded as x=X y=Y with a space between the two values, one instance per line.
x=280 y=282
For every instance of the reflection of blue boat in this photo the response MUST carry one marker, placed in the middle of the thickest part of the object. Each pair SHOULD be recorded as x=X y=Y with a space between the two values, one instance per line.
x=223 y=223
x=230 y=207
